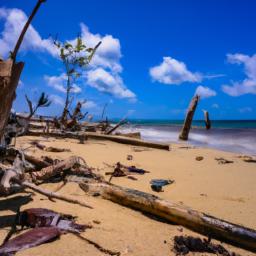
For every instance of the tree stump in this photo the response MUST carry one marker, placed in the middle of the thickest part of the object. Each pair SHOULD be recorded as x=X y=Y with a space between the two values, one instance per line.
x=189 y=118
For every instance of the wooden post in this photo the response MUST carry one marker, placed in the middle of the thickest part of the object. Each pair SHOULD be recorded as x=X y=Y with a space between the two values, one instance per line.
x=207 y=120
x=9 y=78
x=10 y=72
x=189 y=118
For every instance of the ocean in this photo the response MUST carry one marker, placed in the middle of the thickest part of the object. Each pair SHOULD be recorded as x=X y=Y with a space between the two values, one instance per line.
x=237 y=136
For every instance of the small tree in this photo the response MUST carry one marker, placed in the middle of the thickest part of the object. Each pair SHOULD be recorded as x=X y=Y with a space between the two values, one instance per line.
x=75 y=58
x=43 y=101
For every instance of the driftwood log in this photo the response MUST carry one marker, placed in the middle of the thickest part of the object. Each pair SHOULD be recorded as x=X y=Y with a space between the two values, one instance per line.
x=207 y=120
x=129 y=141
x=9 y=78
x=96 y=136
x=51 y=194
x=10 y=72
x=202 y=223
x=189 y=118
x=121 y=122
x=55 y=169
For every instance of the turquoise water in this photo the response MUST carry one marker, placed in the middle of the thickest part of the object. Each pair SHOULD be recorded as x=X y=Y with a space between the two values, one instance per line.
x=230 y=135
x=198 y=123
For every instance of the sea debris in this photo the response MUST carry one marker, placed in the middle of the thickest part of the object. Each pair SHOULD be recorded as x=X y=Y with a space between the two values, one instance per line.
x=157 y=184
x=186 y=244
x=175 y=213
x=199 y=158
x=222 y=160
x=42 y=217
x=248 y=159
x=122 y=170
x=49 y=149
x=129 y=157
x=29 y=239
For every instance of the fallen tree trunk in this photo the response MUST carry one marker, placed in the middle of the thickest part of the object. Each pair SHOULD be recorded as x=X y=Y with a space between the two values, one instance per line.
x=121 y=122
x=129 y=141
x=189 y=118
x=93 y=135
x=70 y=135
x=10 y=72
x=175 y=213
x=51 y=194
x=9 y=78
x=55 y=169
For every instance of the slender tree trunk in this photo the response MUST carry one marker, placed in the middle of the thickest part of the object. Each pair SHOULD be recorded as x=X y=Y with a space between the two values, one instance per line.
x=65 y=110
x=9 y=79
x=25 y=28
x=10 y=72
x=189 y=118
x=207 y=120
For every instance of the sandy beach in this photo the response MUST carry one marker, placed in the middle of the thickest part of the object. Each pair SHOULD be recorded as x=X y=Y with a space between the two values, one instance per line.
x=225 y=191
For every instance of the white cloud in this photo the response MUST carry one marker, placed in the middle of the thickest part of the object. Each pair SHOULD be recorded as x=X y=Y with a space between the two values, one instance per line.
x=104 y=73
x=59 y=83
x=248 y=85
x=57 y=100
x=172 y=71
x=205 y=92
x=108 y=54
x=106 y=58
x=108 y=83
x=245 y=110
x=14 y=20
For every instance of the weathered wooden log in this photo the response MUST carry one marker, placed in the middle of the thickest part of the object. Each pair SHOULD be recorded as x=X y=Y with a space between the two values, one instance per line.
x=176 y=213
x=207 y=120
x=38 y=163
x=96 y=136
x=55 y=169
x=71 y=135
x=55 y=195
x=129 y=141
x=121 y=122
x=189 y=118
x=10 y=72
x=136 y=135
x=9 y=79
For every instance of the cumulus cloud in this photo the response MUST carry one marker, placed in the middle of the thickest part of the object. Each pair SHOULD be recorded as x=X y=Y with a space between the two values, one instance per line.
x=172 y=71
x=59 y=82
x=248 y=85
x=107 y=57
x=14 y=20
x=108 y=54
x=205 y=92
x=104 y=73
x=108 y=83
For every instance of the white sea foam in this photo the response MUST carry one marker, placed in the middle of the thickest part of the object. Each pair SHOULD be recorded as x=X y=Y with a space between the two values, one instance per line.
x=234 y=140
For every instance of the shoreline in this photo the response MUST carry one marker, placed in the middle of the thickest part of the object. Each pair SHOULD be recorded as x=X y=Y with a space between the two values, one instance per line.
x=222 y=190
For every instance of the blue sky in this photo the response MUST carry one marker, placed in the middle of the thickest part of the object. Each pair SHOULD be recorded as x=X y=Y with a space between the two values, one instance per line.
x=154 y=55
